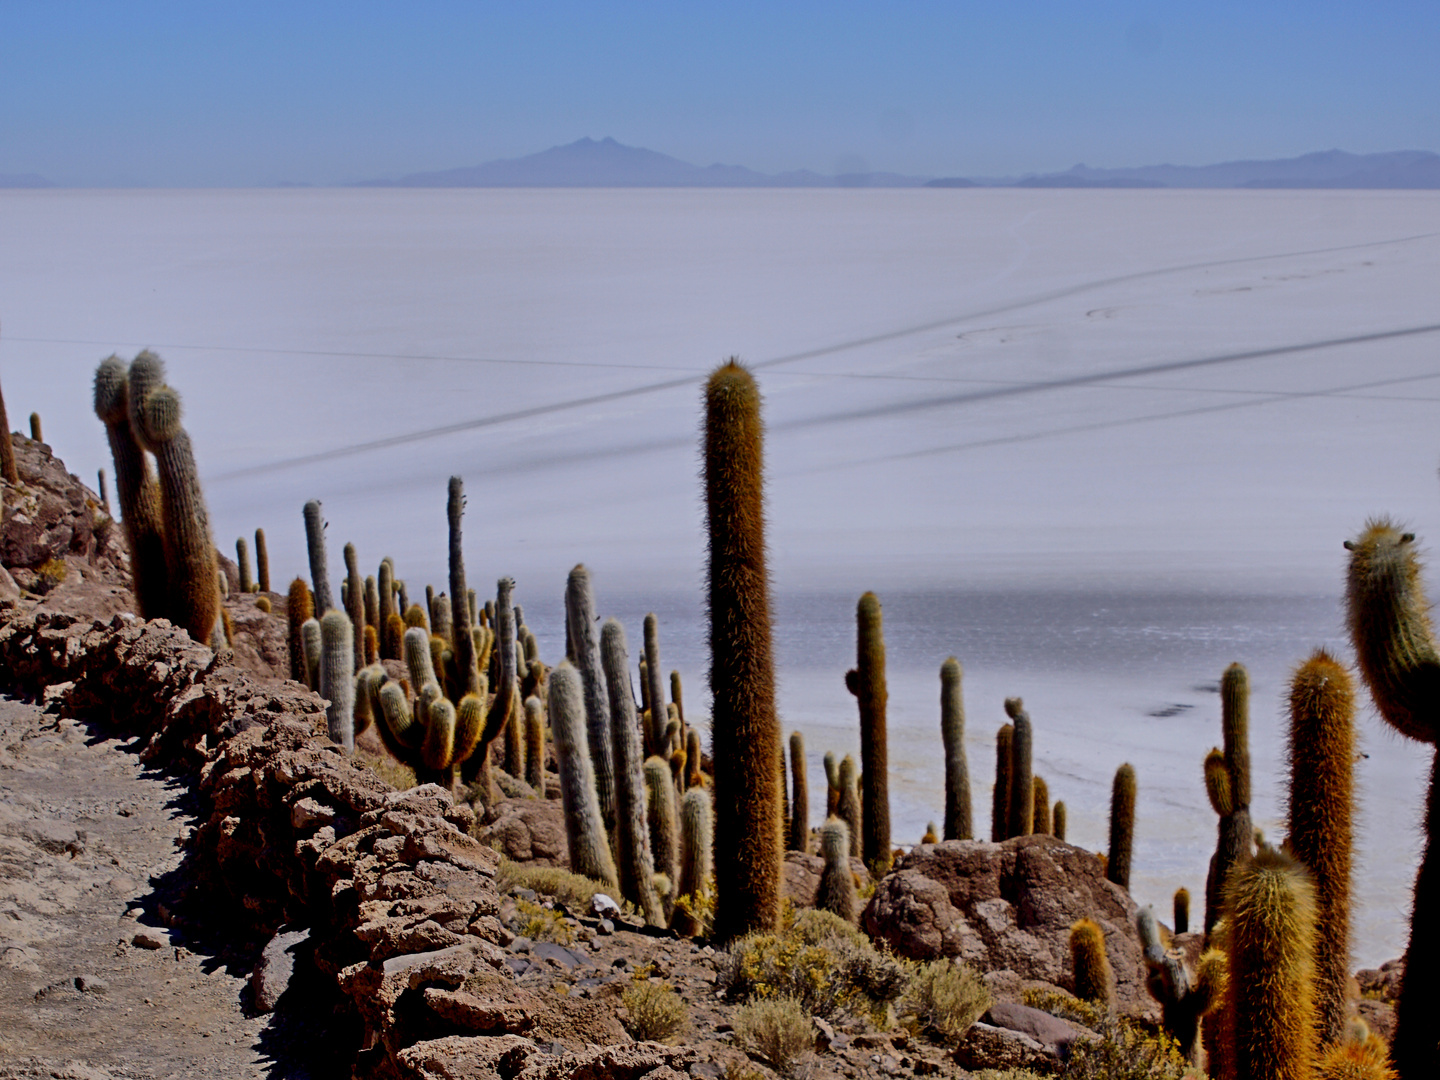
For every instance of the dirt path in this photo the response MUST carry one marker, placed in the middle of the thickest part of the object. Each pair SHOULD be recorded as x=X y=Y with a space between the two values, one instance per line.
x=104 y=971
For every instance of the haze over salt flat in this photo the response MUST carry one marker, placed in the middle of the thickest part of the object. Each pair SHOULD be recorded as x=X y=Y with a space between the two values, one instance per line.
x=940 y=431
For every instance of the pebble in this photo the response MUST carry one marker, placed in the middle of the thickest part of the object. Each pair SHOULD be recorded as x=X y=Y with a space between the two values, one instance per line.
x=149 y=939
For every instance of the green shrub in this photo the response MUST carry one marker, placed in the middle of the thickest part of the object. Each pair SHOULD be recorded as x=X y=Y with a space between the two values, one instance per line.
x=777 y=1030
x=542 y=924
x=1066 y=1006
x=49 y=574
x=1124 y=1052
x=572 y=890
x=655 y=1012
x=945 y=997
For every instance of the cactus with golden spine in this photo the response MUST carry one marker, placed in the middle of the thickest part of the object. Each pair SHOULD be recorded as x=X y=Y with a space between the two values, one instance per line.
x=1122 y=826
x=438 y=749
x=1057 y=820
x=832 y=783
x=660 y=814
x=368 y=681
x=1094 y=979
x=355 y=603
x=415 y=617
x=959 y=822
x=1041 y=820
x=263 y=603
x=515 y=738
x=372 y=604
x=696 y=832
x=1228 y=785
x=632 y=831
x=441 y=618
x=1184 y=996
x=297 y=611
x=1362 y=1059
x=535 y=754
x=694 y=777
x=585 y=835
x=1182 y=910
x=848 y=807
x=400 y=723
x=654 y=681
x=1321 y=806
x=931 y=836
x=1021 y=817
x=469 y=726
x=1270 y=928
x=242 y=563
x=310 y=644
x=836 y=893
x=337 y=677
x=867 y=682
x=372 y=646
x=418 y=659
x=799 y=796
x=391 y=642
x=745 y=739
x=1000 y=796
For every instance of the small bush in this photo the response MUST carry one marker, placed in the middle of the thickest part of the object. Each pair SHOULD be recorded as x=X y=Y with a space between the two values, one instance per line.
x=397 y=774
x=542 y=924
x=655 y=1012
x=945 y=998
x=816 y=927
x=572 y=890
x=49 y=574
x=1123 y=1052
x=700 y=908
x=1066 y=1006
x=777 y=1030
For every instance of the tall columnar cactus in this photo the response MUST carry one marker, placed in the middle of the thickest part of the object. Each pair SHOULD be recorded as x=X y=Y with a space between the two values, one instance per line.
x=1389 y=620
x=463 y=643
x=1229 y=789
x=470 y=726
x=677 y=698
x=135 y=487
x=1184 y=996
x=659 y=715
x=959 y=820
x=337 y=676
x=442 y=615
x=190 y=563
x=1021 y=819
x=297 y=611
x=103 y=489
x=1122 y=826
x=262 y=561
x=832 y=783
x=8 y=472
x=390 y=642
x=312 y=651
x=848 y=806
x=1182 y=910
x=1270 y=927
x=867 y=682
x=584 y=640
x=1057 y=820
x=438 y=749
x=584 y=831
x=836 y=893
x=535 y=754
x=1041 y=820
x=37 y=433
x=505 y=706
x=242 y=563
x=696 y=832
x=1094 y=980
x=1000 y=796
x=799 y=796
x=515 y=739
x=694 y=775
x=660 y=815
x=1322 y=796
x=319 y=563
x=744 y=724
x=355 y=603
x=632 y=832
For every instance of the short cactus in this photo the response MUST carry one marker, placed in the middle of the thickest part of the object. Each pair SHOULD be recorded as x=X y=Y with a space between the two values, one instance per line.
x=1057 y=820
x=799 y=796
x=867 y=682
x=1041 y=809
x=1000 y=796
x=660 y=814
x=836 y=893
x=584 y=831
x=470 y=726
x=1122 y=826
x=242 y=563
x=931 y=836
x=1182 y=911
x=262 y=561
x=1094 y=980
x=337 y=677
x=438 y=749
x=297 y=610
x=1021 y=819
x=36 y=432
x=696 y=833
x=848 y=807
x=959 y=822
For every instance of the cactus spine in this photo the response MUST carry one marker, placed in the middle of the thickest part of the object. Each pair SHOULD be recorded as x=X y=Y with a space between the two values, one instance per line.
x=696 y=831
x=1322 y=792
x=1021 y=818
x=959 y=822
x=659 y=715
x=311 y=650
x=660 y=814
x=337 y=677
x=632 y=832
x=1182 y=911
x=848 y=804
x=1094 y=981
x=800 y=796
x=355 y=603
x=1057 y=820
x=1270 y=924
x=463 y=642
x=867 y=682
x=836 y=893
x=1389 y=620
x=135 y=487
x=319 y=564
x=1227 y=782
x=1042 y=807
x=262 y=561
x=242 y=563
x=1122 y=826
x=584 y=831
x=535 y=754
x=297 y=611
x=1000 y=797
x=745 y=728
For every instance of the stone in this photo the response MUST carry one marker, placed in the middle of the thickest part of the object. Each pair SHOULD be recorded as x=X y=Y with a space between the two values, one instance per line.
x=987 y=1047
x=603 y=907
x=276 y=967
x=151 y=939
x=529 y=830
x=548 y=950
x=1055 y=1034
x=90 y=984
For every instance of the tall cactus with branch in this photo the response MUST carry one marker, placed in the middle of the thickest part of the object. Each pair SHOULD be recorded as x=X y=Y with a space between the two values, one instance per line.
x=585 y=642
x=867 y=682
x=1227 y=782
x=319 y=561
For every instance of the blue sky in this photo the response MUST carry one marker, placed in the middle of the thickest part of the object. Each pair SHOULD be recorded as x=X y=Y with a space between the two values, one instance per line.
x=234 y=94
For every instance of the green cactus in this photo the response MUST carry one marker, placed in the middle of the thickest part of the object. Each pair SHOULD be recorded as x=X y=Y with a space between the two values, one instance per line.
x=505 y=705
x=696 y=832
x=337 y=677
x=677 y=698
x=867 y=682
x=745 y=731
x=312 y=652
x=470 y=725
x=1041 y=821
x=355 y=603
x=1122 y=826
x=463 y=643
x=418 y=658
x=1182 y=910
x=438 y=749
x=1021 y=818
x=581 y=633
x=399 y=721
x=799 y=797
x=1184 y=996
x=660 y=815
x=1057 y=820
x=1000 y=796
x=1094 y=980
x=836 y=893
x=242 y=563
x=1229 y=789
x=1322 y=795
x=442 y=616
x=535 y=754
x=36 y=433
x=262 y=561
x=8 y=472
x=319 y=561
x=297 y=612
x=632 y=831
x=959 y=821
x=391 y=633
x=584 y=831
x=1270 y=927
x=515 y=739
x=659 y=715
x=832 y=783
x=694 y=758
x=848 y=807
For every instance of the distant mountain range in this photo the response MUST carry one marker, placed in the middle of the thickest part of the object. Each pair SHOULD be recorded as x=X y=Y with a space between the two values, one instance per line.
x=607 y=163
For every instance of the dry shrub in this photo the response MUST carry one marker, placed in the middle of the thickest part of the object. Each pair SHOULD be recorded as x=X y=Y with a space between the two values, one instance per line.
x=776 y=1030
x=543 y=924
x=1124 y=1052
x=655 y=1012
x=1066 y=1006
x=945 y=998
x=572 y=890
x=49 y=574
x=397 y=774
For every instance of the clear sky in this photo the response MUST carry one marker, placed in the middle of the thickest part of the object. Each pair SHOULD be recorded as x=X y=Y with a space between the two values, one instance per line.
x=184 y=94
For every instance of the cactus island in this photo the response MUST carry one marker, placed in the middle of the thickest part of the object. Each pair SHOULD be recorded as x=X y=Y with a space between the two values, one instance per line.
x=463 y=826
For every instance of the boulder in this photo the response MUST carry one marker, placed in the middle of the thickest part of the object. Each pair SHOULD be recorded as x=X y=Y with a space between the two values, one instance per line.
x=802 y=876
x=1010 y=907
x=529 y=830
